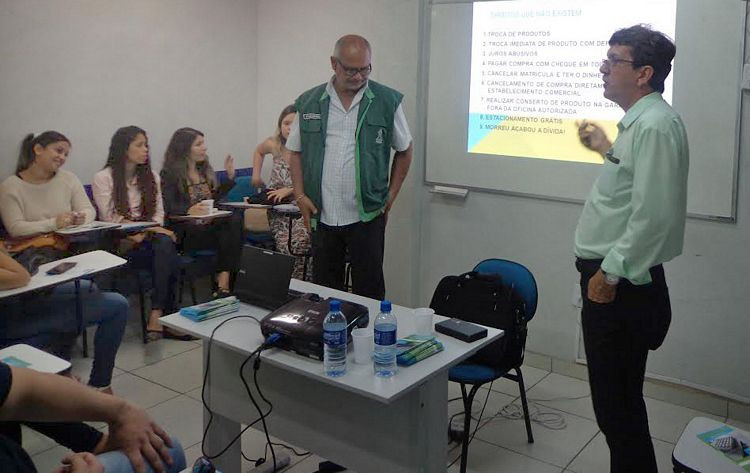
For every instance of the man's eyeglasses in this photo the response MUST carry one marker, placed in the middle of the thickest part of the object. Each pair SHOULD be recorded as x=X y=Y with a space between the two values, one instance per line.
x=607 y=62
x=353 y=71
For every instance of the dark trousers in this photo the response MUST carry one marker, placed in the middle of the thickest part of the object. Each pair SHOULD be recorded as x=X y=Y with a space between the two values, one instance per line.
x=617 y=337
x=158 y=255
x=225 y=235
x=77 y=436
x=365 y=242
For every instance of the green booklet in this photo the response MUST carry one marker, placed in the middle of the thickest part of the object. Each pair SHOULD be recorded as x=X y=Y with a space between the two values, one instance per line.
x=731 y=442
x=416 y=348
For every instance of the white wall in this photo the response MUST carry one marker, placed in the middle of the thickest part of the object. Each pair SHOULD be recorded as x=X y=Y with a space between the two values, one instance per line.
x=87 y=67
x=707 y=342
x=295 y=41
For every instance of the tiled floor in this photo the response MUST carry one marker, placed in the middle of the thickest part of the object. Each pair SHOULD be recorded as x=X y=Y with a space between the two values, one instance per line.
x=165 y=378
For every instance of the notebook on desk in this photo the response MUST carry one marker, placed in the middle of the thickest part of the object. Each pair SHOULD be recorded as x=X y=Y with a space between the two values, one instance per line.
x=263 y=278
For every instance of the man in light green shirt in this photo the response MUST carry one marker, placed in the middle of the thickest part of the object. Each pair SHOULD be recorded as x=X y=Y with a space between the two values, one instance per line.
x=632 y=222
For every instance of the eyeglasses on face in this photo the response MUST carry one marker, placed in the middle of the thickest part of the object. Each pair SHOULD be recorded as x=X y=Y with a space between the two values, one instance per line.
x=353 y=71
x=609 y=62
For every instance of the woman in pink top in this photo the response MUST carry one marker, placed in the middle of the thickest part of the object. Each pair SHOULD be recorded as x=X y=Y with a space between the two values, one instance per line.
x=125 y=191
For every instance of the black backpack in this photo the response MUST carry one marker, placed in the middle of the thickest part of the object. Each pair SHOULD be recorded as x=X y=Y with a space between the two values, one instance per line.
x=483 y=299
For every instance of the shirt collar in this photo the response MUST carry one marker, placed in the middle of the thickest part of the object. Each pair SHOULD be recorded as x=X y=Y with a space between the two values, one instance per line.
x=640 y=106
x=331 y=92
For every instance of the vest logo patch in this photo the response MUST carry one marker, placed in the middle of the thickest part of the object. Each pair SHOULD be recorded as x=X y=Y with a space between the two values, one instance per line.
x=379 y=138
x=311 y=116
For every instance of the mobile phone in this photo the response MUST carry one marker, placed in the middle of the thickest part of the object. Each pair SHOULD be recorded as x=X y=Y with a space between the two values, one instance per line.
x=61 y=268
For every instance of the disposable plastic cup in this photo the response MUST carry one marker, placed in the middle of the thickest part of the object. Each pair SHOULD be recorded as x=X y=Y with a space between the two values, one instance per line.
x=423 y=320
x=363 y=341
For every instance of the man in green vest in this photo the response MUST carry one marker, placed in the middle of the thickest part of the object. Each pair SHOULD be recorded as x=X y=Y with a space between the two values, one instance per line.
x=344 y=180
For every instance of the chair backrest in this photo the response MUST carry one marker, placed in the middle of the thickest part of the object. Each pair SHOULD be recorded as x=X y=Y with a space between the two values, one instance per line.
x=239 y=172
x=516 y=275
x=242 y=188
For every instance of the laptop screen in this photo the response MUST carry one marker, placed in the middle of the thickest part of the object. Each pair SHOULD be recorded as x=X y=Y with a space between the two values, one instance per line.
x=264 y=275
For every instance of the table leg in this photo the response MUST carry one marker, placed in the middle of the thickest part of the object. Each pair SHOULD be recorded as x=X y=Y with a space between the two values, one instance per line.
x=221 y=431
x=79 y=319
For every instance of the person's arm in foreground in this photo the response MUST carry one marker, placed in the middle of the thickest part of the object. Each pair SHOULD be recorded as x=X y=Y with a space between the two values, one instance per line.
x=43 y=397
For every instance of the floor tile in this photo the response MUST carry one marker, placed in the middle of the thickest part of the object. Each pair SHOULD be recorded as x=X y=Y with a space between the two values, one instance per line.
x=49 y=460
x=595 y=457
x=181 y=372
x=34 y=442
x=141 y=392
x=81 y=367
x=487 y=458
x=134 y=354
x=531 y=376
x=667 y=421
x=196 y=393
x=182 y=417
x=739 y=424
x=564 y=393
x=557 y=447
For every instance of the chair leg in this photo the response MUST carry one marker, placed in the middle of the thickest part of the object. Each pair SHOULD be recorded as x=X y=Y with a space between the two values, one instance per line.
x=141 y=302
x=468 y=401
x=182 y=287
x=525 y=405
x=192 y=291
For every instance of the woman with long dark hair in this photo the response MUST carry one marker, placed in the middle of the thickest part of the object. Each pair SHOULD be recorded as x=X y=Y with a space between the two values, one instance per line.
x=127 y=190
x=187 y=180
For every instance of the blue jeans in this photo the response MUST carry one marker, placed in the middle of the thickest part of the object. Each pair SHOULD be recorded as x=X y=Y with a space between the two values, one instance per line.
x=49 y=319
x=117 y=462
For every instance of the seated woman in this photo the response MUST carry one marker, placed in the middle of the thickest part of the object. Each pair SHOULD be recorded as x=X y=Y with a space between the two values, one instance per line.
x=281 y=183
x=125 y=191
x=40 y=198
x=187 y=180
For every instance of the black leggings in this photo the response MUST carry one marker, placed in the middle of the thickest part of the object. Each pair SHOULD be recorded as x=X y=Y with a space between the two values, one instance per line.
x=224 y=235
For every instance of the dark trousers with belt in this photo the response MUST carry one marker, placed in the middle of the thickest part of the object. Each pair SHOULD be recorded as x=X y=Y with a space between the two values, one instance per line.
x=617 y=337
x=365 y=242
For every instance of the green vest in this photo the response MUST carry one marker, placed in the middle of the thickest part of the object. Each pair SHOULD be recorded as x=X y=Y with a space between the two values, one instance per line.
x=372 y=151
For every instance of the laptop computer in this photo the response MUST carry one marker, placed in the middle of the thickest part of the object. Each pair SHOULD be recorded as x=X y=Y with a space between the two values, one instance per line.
x=263 y=278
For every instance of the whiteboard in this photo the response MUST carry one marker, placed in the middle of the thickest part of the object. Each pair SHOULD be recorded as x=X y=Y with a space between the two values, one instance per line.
x=707 y=72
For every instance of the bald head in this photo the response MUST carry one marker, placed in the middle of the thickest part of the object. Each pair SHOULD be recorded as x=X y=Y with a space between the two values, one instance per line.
x=351 y=44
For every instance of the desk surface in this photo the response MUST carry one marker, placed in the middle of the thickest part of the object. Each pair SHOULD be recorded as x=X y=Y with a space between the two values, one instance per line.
x=94 y=226
x=244 y=336
x=693 y=453
x=87 y=263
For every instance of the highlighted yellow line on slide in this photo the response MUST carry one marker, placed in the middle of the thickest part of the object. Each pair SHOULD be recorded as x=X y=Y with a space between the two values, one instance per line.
x=531 y=137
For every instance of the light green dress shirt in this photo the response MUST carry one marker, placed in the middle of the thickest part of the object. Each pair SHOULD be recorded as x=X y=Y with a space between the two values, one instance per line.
x=634 y=217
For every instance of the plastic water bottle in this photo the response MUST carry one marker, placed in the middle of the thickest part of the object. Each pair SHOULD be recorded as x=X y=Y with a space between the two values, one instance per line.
x=334 y=339
x=385 y=341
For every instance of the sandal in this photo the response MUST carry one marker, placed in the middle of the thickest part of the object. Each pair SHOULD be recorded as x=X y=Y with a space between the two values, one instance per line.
x=154 y=335
x=221 y=293
x=174 y=335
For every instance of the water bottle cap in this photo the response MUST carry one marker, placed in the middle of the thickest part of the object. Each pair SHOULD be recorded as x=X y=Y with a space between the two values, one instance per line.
x=385 y=306
x=335 y=305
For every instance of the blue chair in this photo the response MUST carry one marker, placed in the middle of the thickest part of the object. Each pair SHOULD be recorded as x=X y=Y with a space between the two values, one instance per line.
x=476 y=375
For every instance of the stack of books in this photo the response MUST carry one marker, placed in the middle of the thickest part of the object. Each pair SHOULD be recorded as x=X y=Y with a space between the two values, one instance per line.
x=416 y=348
x=211 y=309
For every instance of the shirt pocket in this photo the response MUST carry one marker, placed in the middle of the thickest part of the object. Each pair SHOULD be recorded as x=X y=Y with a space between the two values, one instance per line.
x=607 y=182
x=310 y=126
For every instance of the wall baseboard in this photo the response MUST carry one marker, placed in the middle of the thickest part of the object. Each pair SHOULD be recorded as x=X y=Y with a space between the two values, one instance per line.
x=658 y=387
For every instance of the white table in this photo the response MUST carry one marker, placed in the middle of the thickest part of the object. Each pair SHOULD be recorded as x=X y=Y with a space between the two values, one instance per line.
x=366 y=423
x=33 y=358
x=87 y=264
x=691 y=454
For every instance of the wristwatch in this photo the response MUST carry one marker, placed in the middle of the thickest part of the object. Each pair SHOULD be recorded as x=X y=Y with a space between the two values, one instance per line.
x=611 y=279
